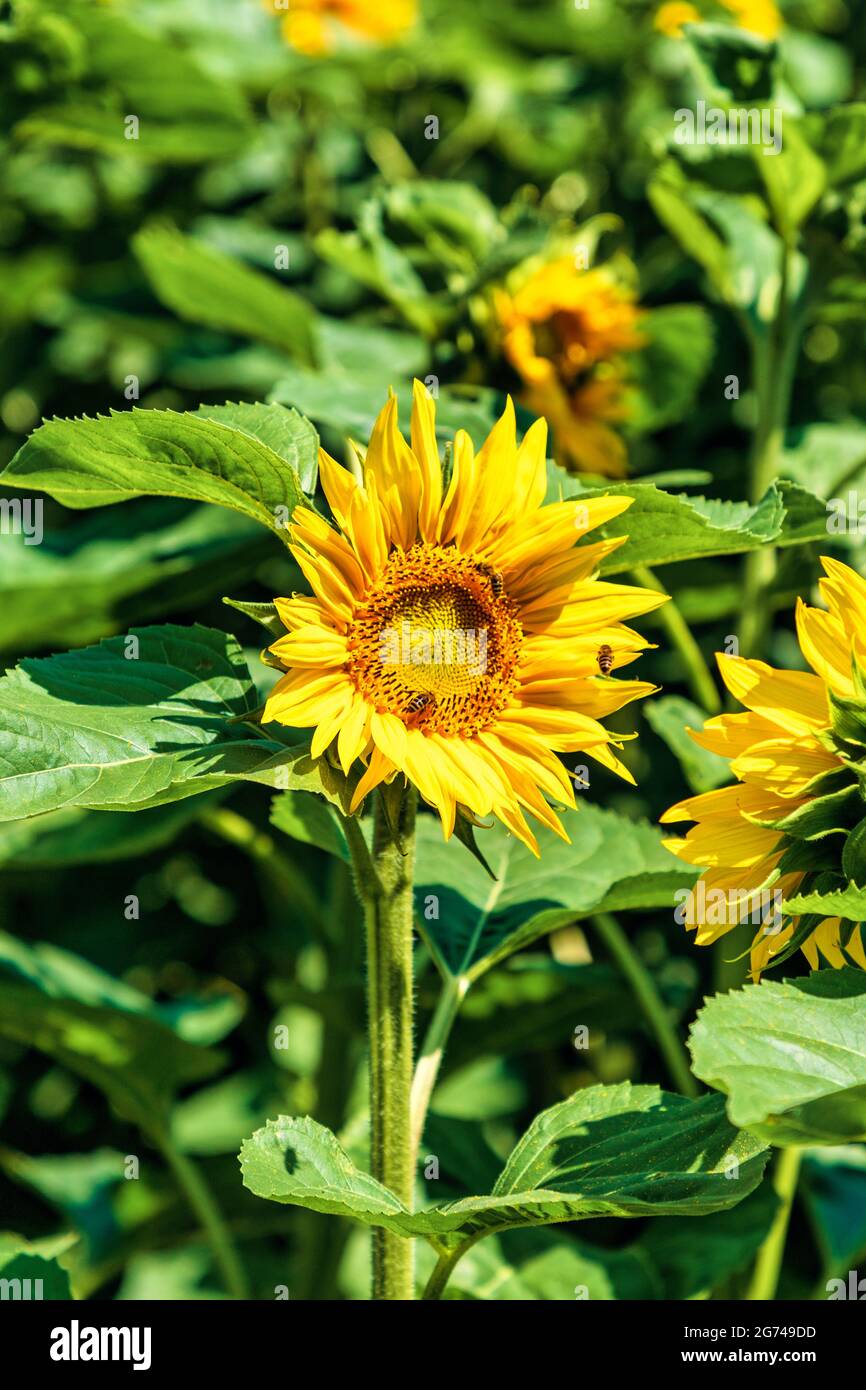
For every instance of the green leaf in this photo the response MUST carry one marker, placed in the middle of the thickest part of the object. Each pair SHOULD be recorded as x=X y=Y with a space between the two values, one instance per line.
x=92 y=463
x=669 y=1260
x=835 y=1195
x=671 y=717
x=790 y=1057
x=74 y=126
x=307 y=818
x=186 y=116
x=471 y=923
x=606 y=1151
x=283 y=431
x=376 y=261
x=826 y=457
x=794 y=177
x=670 y=197
x=848 y=902
x=726 y=235
x=100 y=728
x=840 y=138
x=666 y=528
x=669 y=369
x=736 y=64
x=35 y=1260
x=138 y=1063
x=204 y=285
x=854 y=857
x=448 y=217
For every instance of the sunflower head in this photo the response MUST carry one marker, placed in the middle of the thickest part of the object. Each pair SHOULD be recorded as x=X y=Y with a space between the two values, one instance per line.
x=759 y=17
x=316 y=27
x=792 y=825
x=565 y=331
x=670 y=18
x=454 y=625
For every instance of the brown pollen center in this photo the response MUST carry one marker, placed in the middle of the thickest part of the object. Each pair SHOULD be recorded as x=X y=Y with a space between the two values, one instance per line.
x=436 y=641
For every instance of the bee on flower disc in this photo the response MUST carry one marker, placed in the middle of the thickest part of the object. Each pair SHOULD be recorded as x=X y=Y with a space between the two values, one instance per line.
x=494 y=579
x=420 y=704
x=604 y=658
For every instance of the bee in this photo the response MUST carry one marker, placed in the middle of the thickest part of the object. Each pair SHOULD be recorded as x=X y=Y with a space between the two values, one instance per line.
x=420 y=704
x=604 y=659
x=494 y=578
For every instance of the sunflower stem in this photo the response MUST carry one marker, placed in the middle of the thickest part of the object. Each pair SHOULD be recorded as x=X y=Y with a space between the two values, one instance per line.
x=649 y=1000
x=444 y=1268
x=698 y=674
x=387 y=898
x=768 y=1265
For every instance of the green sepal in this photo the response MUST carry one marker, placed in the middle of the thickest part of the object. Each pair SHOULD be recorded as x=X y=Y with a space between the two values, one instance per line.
x=464 y=831
x=833 y=814
x=263 y=613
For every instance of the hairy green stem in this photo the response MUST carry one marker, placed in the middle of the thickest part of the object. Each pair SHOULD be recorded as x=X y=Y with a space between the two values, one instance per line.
x=192 y=1182
x=768 y=1265
x=698 y=674
x=651 y=1005
x=385 y=884
x=430 y=1057
x=435 y=1286
x=322 y=1238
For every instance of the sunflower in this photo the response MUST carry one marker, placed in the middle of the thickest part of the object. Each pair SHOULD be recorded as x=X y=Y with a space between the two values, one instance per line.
x=759 y=17
x=315 y=27
x=670 y=18
x=454 y=626
x=564 y=330
x=796 y=753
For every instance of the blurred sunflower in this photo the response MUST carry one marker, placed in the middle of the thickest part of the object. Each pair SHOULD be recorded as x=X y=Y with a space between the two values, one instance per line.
x=759 y=17
x=564 y=331
x=797 y=756
x=455 y=624
x=315 y=27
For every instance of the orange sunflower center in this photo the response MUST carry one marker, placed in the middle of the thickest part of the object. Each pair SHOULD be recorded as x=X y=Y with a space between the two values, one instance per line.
x=436 y=641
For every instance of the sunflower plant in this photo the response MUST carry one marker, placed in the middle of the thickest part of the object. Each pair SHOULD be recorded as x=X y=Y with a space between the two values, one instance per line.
x=451 y=655
x=432 y=601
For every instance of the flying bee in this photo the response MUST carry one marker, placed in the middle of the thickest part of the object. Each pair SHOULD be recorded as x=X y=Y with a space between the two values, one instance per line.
x=604 y=658
x=420 y=704
x=494 y=579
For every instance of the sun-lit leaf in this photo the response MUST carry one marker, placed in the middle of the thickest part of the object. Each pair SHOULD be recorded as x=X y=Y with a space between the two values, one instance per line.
x=125 y=723
x=207 y=286
x=612 y=863
x=790 y=1056
x=606 y=1151
x=131 y=453
x=307 y=818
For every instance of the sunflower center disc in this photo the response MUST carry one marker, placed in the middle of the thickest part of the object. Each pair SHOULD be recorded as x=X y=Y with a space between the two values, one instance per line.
x=436 y=641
